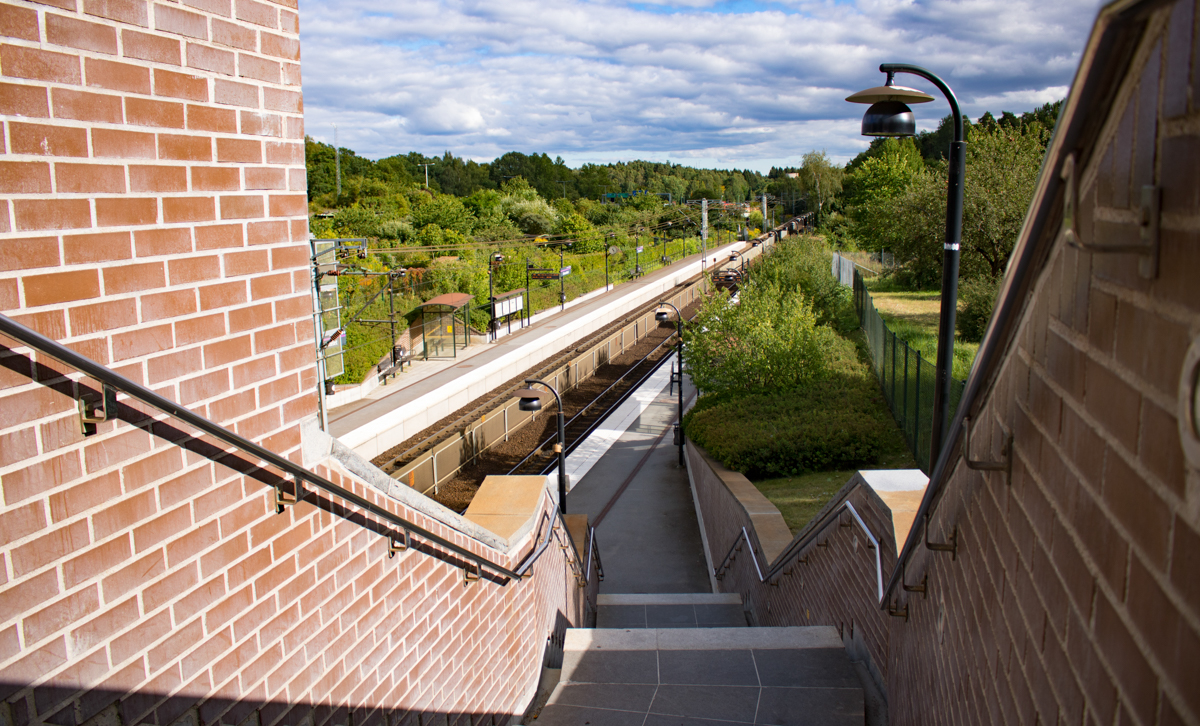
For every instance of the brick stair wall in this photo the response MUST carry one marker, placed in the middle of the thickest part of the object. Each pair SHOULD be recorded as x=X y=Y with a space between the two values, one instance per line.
x=153 y=217
x=1073 y=597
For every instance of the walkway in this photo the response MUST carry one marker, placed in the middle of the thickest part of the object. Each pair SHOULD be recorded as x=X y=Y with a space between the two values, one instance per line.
x=637 y=496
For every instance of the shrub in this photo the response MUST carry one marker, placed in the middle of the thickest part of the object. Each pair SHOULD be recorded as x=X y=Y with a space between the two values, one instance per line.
x=977 y=300
x=770 y=340
x=835 y=424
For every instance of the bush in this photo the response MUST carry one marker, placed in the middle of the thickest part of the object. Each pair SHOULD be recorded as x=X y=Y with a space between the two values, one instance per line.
x=835 y=424
x=770 y=340
x=977 y=300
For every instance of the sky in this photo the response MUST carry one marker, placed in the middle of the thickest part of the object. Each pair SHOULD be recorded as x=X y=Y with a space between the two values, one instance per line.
x=705 y=83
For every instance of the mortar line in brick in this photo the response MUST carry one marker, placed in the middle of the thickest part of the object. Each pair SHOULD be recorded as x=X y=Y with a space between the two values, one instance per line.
x=1131 y=459
x=1101 y=588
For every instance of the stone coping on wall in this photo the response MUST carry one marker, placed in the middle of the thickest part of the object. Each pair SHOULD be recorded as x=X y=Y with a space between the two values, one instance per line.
x=505 y=505
x=900 y=490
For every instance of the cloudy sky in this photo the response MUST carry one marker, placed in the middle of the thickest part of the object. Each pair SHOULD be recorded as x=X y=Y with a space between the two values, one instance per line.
x=728 y=83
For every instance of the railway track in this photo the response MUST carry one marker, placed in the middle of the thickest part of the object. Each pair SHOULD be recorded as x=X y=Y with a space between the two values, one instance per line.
x=581 y=425
x=529 y=450
x=404 y=453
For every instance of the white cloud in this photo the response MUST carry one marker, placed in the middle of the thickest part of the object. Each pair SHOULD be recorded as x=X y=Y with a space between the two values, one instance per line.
x=700 y=79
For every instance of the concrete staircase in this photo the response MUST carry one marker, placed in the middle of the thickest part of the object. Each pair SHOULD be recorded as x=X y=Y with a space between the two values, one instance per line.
x=659 y=660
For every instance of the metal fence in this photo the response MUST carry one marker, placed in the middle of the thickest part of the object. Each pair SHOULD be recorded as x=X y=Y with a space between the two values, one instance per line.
x=906 y=378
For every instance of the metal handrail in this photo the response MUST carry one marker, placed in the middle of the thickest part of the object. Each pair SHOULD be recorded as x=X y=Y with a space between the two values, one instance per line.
x=116 y=381
x=543 y=444
x=795 y=549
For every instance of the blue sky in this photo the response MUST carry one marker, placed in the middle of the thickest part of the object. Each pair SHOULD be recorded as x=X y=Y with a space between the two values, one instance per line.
x=730 y=83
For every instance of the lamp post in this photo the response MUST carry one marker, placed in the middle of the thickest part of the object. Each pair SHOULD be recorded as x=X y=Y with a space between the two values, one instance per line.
x=496 y=260
x=562 y=285
x=531 y=401
x=890 y=116
x=736 y=256
x=662 y=316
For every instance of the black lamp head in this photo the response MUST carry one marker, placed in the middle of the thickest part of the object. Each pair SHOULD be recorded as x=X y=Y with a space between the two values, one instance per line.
x=889 y=114
x=889 y=118
x=531 y=400
x=661 y=316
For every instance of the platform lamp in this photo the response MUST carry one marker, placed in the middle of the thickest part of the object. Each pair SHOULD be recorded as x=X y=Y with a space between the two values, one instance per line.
x=497 y=259
x=662 y=316
x=889 y=115
x=531 y=400
x=736 y=256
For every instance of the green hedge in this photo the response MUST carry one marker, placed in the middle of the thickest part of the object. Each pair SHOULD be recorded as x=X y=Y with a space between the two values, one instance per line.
x=837 y=422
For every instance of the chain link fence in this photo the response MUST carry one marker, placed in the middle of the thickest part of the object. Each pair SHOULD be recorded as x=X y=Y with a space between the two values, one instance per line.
x=905 y=376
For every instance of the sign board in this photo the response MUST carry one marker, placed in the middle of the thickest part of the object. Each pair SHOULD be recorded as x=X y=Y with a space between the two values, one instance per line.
x=565 y=271
x=639 y=248
x=543 y=275
x=508 y=306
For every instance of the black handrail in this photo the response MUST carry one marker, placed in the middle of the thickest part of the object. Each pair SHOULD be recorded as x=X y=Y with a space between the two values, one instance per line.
x=114 y=380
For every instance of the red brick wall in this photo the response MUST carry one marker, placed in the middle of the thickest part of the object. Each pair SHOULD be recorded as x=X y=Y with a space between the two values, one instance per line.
x=1073 y=596
x=153 y=218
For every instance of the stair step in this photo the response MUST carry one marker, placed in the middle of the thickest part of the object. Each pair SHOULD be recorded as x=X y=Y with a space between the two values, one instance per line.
x=635 y=639
x=723 y=675
x=671 y=610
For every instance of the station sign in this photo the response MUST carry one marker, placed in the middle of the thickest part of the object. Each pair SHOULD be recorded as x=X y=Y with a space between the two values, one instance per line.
x=508 y=306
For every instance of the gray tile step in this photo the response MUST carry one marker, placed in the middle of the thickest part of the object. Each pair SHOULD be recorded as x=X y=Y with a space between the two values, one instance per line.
x=654 y=677
x=671 y=610
x=812 y=636
x=671 y=598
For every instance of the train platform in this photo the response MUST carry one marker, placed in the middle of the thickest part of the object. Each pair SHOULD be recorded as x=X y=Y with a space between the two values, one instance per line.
x=432 y=390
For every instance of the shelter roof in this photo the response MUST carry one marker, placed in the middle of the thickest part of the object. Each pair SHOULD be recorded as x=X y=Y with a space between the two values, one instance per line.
x=452 y=300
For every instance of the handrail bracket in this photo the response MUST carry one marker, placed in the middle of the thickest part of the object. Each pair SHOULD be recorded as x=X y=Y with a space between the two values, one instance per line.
x=282 y=503
x=400 y=545
x=94 y=409
x=951 y=545
x=1006 y=451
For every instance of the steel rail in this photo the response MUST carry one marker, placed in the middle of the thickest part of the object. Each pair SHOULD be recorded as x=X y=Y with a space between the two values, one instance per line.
x=116 y=381
x=792 y=551
x=447 y=432
x=604 y=416
x=551 y=438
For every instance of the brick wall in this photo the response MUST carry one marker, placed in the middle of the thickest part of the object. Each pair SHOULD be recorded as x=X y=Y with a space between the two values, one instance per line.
x=153 y=218
x=1072 y=597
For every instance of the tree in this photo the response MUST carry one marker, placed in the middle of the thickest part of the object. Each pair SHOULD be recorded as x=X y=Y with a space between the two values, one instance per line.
x=1002 y=171
x=873 y=189
x=576 y=227
x=819 y=178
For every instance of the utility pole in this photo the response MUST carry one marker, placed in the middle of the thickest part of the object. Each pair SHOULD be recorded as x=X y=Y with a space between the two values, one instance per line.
x=564 y=186
x=764 y=210
x=703 y=232
x=337 y=160
x=426 y=173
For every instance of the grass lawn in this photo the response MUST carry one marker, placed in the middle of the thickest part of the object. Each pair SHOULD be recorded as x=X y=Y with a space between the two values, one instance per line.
x=913 y=316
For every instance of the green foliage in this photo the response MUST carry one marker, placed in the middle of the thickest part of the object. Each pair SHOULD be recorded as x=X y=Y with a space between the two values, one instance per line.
x=836 y=423
x=802 y=265
x=977 y=300
x=769 y=341
x=873 y=188
x=443 y=210
x=576 y=227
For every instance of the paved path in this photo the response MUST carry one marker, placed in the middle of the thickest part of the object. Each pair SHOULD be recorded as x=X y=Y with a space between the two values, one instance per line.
x=649 y=538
